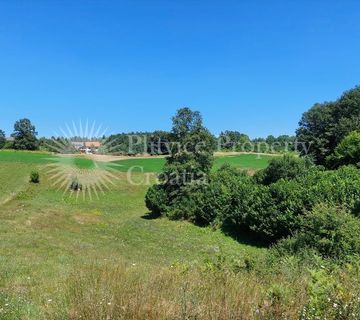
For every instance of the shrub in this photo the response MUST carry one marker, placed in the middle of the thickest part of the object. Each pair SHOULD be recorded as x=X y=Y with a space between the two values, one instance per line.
x=2 y=139
x=8 y=144
x=332 y=232
x=34 y=177
x=290 y=200
x=287 y=167
x=272 y=212
x=75 y=185
x=156 y=199
x=347 y=152
x=237 y=203
x=333 y=294
x=247 y=204
x=213 y=200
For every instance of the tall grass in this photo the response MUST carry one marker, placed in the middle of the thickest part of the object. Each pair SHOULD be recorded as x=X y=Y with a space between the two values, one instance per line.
x=107 y=292
x=306 y=288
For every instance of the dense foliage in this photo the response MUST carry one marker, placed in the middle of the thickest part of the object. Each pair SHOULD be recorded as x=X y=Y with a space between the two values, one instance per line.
x=24 y=135
x=325 y=125
x=34 y=176
x=277 y=210
x=188 y=165
x=346 y=152
x=272 y=210
x=2 y=139
x=236 y=141
x=331 y=231
x=293 y=198
x=287 y=167
x=133 y=143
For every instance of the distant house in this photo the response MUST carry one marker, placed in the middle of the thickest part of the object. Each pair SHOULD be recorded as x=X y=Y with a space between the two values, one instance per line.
x=92 y=144
x=77 y=145
x=87 y=146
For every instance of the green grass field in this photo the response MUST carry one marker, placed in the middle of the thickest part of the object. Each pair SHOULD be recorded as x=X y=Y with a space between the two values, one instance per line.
x=65 y=257
x=243 y=161
x=47 y=236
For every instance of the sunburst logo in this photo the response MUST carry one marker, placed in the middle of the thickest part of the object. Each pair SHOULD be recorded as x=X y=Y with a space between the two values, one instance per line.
x=81 y=166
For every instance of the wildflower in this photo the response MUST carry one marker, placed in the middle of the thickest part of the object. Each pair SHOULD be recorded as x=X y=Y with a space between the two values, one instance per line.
x=335 y=305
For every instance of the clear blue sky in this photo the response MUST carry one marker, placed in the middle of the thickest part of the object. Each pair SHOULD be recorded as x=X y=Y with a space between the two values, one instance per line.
x=252 y=66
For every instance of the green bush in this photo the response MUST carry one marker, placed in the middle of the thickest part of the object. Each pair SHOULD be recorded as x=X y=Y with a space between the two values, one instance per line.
x=323 y=126
x=8 y=144
x=332 y=232
x=287 y=167
x=333 y=294
x=237 y=202
x=156 y=199
x=34 y=176
x=347 y=151
x=2 y=139
x=75 y=185
x=211 y=201
x=290 y=200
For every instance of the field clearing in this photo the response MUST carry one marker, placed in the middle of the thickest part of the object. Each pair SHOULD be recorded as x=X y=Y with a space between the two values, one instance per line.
x=47 y=236
x=140 y=164
x=242 y=161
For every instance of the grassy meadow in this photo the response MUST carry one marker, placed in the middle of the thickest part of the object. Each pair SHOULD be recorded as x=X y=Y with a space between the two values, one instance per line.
x=66 y=258
x=48 y=237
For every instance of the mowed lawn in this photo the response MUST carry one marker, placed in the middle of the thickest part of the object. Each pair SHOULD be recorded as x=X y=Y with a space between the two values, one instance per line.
x=47 y=235
x=243 y=161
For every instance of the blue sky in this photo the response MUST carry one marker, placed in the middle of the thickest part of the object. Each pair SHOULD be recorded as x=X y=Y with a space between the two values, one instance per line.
x=252 y=66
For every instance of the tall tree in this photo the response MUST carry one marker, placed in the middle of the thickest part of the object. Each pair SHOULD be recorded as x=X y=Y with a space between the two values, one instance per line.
x=24 y=135
x=192 y=146
x=2 y=139
x=189 y=163
x=233 y=140
x=325 y=125
x=347 y=151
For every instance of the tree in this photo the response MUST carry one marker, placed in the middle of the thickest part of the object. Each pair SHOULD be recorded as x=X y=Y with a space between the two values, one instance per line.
x=24 y=135
x=158 y=143
x=325 y=125
x=186 y=122
x=189 y=163
x=192 y=146
x=2 y=139
x=314 y=132
x=347 y=151
x=234 y=140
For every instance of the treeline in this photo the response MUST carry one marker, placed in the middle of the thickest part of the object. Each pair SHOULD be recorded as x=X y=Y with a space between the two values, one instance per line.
x=296 y=204
x=22 y=138
x=158 y=142
x=324 y=128
x=240 y=142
